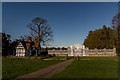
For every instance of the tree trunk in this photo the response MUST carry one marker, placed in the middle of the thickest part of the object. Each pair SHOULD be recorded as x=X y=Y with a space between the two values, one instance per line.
x=39 y=49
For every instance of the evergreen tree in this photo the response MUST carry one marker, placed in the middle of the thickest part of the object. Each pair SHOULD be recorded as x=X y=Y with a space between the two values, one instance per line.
x=100 y=38
x=5 y=44
x=116 y=27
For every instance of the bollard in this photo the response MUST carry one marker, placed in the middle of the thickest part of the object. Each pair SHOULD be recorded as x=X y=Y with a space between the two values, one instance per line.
x=77 y=57
x=66 y=57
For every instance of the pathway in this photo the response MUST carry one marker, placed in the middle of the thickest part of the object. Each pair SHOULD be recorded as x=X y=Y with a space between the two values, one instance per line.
x=46 y=72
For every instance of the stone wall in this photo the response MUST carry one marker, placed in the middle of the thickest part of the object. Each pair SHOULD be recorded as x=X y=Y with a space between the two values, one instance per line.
x=59 y=52
x=86 y=52
x=102 y=52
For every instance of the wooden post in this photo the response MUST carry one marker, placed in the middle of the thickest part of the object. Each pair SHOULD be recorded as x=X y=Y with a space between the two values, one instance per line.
x=66 y=57
x=78 y=57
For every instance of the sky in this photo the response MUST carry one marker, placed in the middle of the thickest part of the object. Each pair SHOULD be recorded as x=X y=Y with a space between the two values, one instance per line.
x=70 y=21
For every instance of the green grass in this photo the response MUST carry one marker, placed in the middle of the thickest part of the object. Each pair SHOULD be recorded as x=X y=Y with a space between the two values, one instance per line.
x=59 y=57
x=91 y=67
x=12 y=67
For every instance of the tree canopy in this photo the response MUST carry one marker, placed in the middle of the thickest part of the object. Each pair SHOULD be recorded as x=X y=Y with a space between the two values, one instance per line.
x=116 y=27
x=101 y=38
x=40 y=30
x=5 y=44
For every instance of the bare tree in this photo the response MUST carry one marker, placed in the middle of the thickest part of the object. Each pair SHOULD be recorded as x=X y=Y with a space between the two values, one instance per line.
x=25 y=38
x=40 y=31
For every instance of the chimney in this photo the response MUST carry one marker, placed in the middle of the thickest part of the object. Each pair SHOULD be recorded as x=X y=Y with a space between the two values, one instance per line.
x=30 y=40
x=18 y=41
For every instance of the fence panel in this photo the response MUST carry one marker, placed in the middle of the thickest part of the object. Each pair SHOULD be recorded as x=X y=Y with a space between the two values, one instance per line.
x=81 y=52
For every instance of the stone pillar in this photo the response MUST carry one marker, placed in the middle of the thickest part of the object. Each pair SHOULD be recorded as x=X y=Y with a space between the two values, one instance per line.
x=104 y=51
x=84 y=54
x=96 y=50
x=86 y=51
x=71 y=50
x=114 y=50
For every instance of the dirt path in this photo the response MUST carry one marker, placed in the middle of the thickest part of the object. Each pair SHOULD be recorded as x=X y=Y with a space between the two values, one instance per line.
x=47 y=72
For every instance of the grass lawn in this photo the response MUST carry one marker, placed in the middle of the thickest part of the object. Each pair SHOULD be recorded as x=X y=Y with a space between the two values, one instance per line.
x=91 y=67
x=59 y=57
x=12 y=67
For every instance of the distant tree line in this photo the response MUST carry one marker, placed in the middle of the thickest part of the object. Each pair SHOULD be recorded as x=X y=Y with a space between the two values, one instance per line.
x=56 y=48
x=106 y=37
x=5 y=44
x=116 y=27
x=101 y=38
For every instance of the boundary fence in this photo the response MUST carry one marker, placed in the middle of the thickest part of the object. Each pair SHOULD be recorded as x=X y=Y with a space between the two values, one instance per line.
x=84 y=52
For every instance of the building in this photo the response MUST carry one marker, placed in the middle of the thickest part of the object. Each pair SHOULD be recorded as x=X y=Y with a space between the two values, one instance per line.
x=77 y=50
x=25 y=48
x=81 y=50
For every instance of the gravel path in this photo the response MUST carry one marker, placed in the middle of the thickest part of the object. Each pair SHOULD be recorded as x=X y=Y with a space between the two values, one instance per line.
x=44 y=73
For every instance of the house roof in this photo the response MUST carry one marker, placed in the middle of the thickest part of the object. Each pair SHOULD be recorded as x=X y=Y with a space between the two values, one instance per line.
x=26 y=44
x=37 y=44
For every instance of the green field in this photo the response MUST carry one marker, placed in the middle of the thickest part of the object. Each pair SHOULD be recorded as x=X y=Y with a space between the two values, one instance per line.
x=12 y=67
x=91 y=67
x=59 y=57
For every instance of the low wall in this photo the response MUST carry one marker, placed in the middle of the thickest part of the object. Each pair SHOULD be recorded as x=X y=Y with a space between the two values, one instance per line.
x=91 y=52
x=101 y=52
x=59 y=51
x=59 y=54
